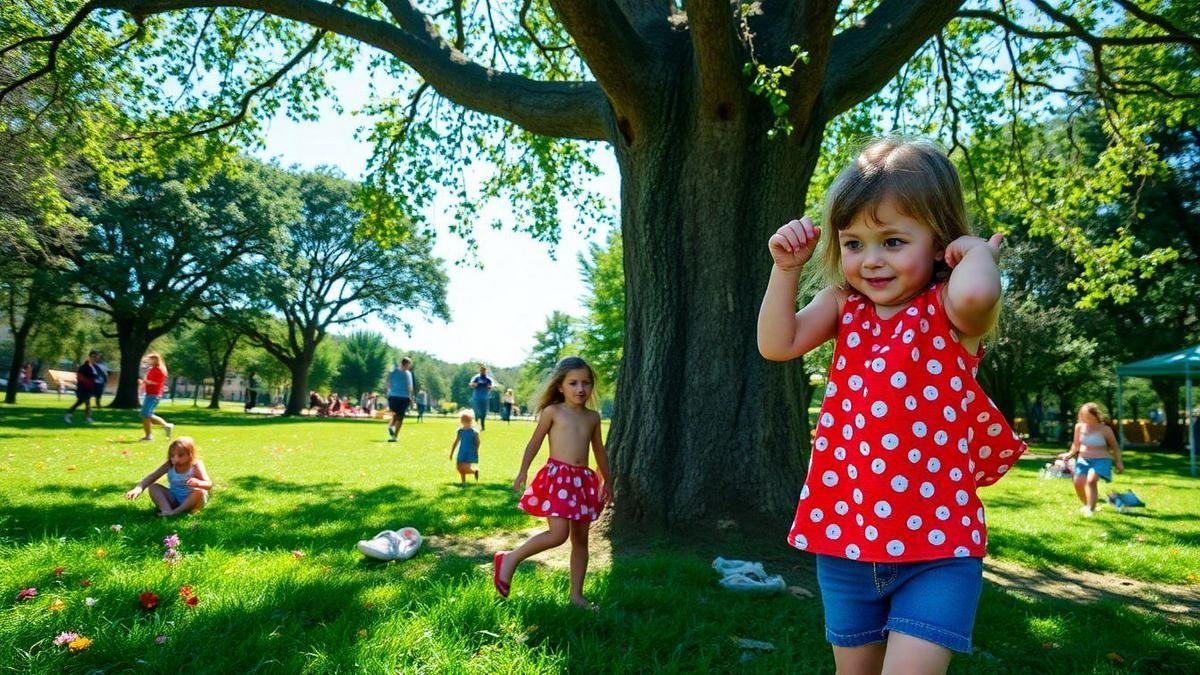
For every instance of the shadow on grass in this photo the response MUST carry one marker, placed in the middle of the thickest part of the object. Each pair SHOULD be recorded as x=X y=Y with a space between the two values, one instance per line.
x=318 y=516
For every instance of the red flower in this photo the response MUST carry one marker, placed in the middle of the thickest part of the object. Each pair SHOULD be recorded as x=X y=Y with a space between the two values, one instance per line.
x=85 y=582
x=58 y=571
x=26 y=594
x=192 y=601
x=186 y=592
x=148 y=600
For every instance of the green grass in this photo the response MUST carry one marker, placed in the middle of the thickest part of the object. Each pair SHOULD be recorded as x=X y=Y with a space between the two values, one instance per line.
x=317 y=486
x=1036 y=522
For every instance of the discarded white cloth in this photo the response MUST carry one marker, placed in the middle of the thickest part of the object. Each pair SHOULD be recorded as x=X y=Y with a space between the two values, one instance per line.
x=742 y=575
x=399 y=544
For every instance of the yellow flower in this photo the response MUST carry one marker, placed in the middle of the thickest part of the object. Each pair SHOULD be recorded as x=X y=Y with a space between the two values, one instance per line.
x=362 y=633
x=56 y=606
x=79 y=644
x=100 y=553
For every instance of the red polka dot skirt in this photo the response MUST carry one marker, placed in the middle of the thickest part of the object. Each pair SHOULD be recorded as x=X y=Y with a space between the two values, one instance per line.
x=563 y=490
x=904 y=438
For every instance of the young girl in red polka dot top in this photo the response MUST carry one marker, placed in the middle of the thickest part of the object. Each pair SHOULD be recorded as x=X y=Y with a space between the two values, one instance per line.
x=905 y=434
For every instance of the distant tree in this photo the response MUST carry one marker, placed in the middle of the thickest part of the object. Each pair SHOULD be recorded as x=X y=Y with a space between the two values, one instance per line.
x=165 y=248
x=212 y=345
x=325 y=274
x=362 y=363
x=602 y=334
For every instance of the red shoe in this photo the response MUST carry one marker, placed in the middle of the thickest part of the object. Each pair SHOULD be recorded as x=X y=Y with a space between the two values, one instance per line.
x=501 y=587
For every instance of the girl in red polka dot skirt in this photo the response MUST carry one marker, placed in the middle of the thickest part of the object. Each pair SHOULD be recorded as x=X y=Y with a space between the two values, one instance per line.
x=567 y=493
x=905 y=434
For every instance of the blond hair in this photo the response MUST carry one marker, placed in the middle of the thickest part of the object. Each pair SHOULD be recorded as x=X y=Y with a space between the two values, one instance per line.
x=550 y=390
x=186 y=444
x=919 y=179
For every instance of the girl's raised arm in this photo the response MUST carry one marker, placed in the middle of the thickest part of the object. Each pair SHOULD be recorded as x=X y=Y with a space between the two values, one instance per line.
x=545 y=419
x=784 y=333
x=972 y=296
x=147 y=481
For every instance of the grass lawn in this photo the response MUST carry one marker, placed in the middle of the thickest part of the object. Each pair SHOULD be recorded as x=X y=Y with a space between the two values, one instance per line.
x=317 y=486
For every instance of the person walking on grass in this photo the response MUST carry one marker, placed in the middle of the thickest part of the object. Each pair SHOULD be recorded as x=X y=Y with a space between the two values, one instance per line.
x=399 y=395
x=481 y=392
x=1095 y=448
x=567 y=493
x=85 y=385
x=467 y=441
x=155 y=380
x=905 y=434
x=187 y=481
x=101 y=378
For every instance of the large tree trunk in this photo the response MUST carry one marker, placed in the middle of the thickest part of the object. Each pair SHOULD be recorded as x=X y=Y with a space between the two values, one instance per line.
x=20 y=342
x=299 y=396
x=133 y=342
x=703 y=426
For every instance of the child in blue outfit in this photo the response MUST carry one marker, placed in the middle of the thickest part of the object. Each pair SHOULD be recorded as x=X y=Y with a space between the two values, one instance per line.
x=187 y=481
x=467 y=441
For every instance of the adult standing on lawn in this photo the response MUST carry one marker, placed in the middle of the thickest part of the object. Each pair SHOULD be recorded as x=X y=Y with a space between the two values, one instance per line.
x=101 y=377
x=85 y=383
x=251 y=391
x=481 y=386
x=400 y=395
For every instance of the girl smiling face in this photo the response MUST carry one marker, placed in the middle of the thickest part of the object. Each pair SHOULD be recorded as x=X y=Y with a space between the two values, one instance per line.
x=887 y=256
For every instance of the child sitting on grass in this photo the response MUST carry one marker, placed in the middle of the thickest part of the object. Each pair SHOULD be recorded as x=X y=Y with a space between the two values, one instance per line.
x=467 y=441
x=187 y=481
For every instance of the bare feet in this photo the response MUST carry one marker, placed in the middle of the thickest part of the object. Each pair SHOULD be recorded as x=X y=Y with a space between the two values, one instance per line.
x=583 y=603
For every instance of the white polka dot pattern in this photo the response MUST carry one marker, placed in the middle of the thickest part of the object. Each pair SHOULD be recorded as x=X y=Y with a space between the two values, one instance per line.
x=901 y=388
x=562 y=490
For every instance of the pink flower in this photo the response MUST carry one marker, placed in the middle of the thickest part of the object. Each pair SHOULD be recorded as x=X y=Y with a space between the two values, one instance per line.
x=171 y=541
x=64 y=638
x=171 y=556
x=297 y=554
x=26 y=594
x=161 y=640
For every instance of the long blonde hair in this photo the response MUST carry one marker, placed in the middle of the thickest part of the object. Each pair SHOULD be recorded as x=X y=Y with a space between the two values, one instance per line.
x=162 y=363
x=550 y=390
x=919 y=178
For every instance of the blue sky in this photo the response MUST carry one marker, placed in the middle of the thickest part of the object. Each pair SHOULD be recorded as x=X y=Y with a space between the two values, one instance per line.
x=495 y=310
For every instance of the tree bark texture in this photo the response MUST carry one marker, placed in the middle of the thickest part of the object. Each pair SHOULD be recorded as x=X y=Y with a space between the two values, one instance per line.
x=1167 y=389
x=133 y=341
x=20 y=341
x=703 y=425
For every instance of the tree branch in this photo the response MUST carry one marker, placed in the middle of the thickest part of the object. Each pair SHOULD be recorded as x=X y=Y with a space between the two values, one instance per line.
x=865 y=58
x=715 y=43
x=560 y=109
x=613 y=50
x=1180 y=35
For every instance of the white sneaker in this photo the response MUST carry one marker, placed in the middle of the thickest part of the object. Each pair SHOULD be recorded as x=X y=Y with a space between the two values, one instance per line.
x=388 y=545
x=169 y=428
x=1087 y=512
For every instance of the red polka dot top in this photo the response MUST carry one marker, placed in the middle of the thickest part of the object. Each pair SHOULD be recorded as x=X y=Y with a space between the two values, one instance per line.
x=904 y=437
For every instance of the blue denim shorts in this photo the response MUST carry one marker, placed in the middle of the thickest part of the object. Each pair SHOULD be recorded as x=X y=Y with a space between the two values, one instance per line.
x=149 y=403
x=1101 y=465
x=933 y=600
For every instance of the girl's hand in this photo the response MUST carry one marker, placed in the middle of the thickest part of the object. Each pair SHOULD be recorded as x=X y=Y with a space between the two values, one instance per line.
x=606 y=493
x=519 y=483
x=1120 y=468
x=133 y=494
x=957 y=250
x=793 y=244
x=192 y=482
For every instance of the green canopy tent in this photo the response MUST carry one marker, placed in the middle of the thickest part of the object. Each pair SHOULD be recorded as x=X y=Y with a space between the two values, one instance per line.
x=1184 y=363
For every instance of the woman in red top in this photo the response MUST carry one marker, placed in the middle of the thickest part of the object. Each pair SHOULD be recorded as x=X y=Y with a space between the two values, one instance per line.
x=905 y=433
x=156 y=378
